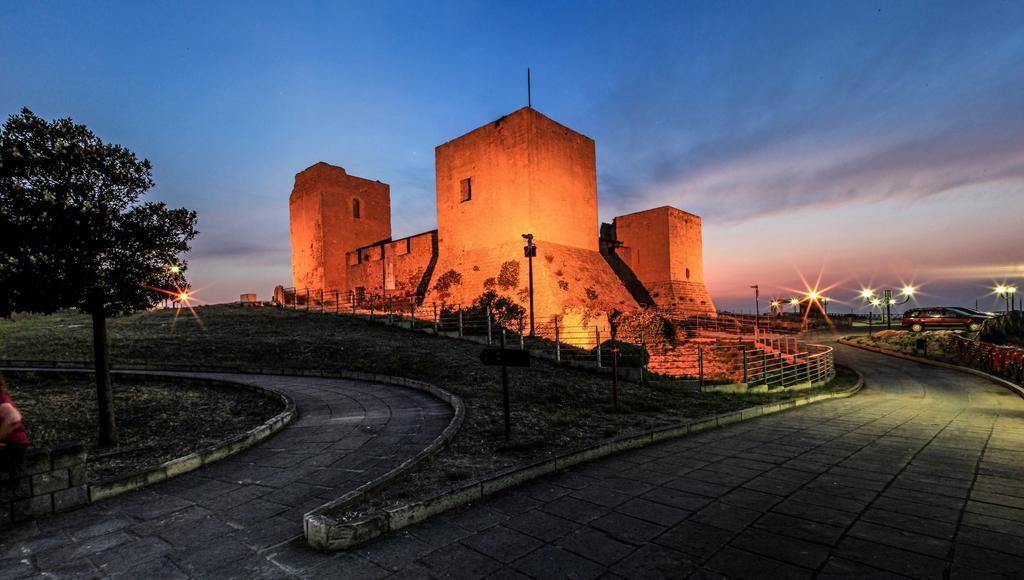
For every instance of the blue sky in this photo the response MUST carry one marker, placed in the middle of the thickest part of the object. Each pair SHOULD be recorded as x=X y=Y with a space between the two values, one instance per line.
x=881 y=142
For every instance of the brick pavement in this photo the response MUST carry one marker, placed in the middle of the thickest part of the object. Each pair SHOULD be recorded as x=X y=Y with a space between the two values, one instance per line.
x=229 y=519
x=918 y=476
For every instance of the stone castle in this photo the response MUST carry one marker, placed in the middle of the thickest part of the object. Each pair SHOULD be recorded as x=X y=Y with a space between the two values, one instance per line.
x=523 y=173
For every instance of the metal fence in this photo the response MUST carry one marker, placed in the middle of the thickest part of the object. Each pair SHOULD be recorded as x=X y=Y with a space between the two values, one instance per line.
x=702 y=350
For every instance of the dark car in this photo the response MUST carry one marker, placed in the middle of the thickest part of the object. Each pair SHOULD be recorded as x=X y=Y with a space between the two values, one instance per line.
x=918 y=319
x=977 y=312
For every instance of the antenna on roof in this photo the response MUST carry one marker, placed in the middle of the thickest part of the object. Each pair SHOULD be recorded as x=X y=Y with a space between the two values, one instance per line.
x=529 y=95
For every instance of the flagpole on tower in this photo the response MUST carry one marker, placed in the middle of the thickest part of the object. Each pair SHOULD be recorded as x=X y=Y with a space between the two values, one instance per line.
x=529 y=91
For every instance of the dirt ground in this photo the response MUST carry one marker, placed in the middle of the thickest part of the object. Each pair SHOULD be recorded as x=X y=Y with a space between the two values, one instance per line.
x=156 y=421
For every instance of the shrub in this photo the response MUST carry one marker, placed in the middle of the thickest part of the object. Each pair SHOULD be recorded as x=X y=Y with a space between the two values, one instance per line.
x=1005 y=330
x=630 y=355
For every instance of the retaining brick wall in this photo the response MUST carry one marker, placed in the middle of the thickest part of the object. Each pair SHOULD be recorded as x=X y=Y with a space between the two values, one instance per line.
x=1005 y=361
x=48 y=481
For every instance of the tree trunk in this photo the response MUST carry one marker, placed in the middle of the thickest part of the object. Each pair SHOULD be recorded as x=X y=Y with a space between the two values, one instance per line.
x=104 y=397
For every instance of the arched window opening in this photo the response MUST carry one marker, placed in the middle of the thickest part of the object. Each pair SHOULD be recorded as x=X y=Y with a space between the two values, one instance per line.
x=356 y=209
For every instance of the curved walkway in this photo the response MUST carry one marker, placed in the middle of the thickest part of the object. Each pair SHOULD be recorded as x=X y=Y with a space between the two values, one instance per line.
x=229 y=519
x=918 y=476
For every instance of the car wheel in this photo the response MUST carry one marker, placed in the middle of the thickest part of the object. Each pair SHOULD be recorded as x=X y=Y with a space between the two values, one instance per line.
x=916 y=328
x=974 y=327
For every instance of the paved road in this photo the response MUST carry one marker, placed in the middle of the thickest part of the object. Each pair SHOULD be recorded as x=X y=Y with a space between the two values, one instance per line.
x=917 y=476
x=227 y=520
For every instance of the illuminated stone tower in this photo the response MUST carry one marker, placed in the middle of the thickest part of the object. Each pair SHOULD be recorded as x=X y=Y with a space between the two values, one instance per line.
x=332 y=213
x=523 y=173
x=663 y=248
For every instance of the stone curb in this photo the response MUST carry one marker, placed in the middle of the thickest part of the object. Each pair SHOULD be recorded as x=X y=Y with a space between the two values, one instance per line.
x=1017 y=390
x=182 y=465
x=312 y=521
x=331 y=535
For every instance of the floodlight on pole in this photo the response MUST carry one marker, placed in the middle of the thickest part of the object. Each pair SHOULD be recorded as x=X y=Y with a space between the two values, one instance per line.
x=530 y=251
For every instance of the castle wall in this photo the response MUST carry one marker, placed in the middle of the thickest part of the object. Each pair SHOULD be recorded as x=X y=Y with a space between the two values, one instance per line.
x=396 y=268
x=573 y=283
x=324 y=226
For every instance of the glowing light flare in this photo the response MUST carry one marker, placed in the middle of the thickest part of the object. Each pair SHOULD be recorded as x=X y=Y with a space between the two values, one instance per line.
x=174 y=269
x=181 y=296
x=876 y=302
x=867 y=293
x=794 y=301
x=908 y=291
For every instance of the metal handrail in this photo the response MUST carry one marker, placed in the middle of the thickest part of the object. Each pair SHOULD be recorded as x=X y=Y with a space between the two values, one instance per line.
x=741 y=351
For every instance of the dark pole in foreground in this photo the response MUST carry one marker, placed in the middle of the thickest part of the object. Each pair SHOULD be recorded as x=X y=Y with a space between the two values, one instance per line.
x=888 y=309
x=104 y=394
x=615 y=374
x=504 y=393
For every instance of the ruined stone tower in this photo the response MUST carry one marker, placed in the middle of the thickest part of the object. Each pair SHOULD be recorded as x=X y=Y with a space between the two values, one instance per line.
x=332 y=213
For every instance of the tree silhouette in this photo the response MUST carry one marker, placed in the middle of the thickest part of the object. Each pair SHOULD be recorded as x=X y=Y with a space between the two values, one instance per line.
x=73 y=233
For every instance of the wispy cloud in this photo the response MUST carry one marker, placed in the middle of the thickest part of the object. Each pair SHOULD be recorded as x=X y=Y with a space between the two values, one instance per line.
x=813 y=175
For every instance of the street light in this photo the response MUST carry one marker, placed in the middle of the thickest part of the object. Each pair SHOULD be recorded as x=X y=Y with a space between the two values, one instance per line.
x=816 y=297
x=530 y=251
x=795 y=303
x=875 y=303
x=776 y=305
x=867 y=294
x=757 y=309
x=1008 y=294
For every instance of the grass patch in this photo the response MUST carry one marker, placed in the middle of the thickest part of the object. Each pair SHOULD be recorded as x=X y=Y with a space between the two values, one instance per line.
x=906 y=342
x=554 y=408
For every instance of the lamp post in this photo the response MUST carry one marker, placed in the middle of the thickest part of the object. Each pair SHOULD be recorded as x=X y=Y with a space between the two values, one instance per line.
x=530 y=251
x=875 y=303
x=1002 y=293
x=1008 y=294
x=757 y=309
x=795 y=303
x=907 y=292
